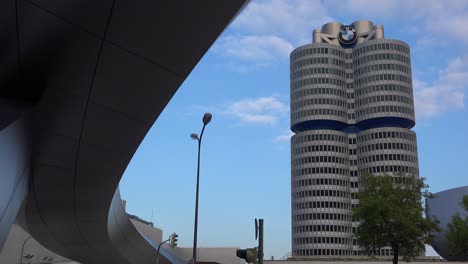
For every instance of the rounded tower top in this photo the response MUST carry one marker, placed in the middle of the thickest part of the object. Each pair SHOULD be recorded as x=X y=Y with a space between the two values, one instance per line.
x=363 y=26
x=332 y=28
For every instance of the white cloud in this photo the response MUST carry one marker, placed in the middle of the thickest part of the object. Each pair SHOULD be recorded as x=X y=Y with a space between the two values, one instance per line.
x=284 y=137
x=411 y=29
x=452 y=27
x=255 y=51
x=425 y=41
x=269 y=31
x=263 y=110
x=291 y=19
x=365 y=8
x=258 y=118
x=444 y=20
x=447 y=93
x=401 y=9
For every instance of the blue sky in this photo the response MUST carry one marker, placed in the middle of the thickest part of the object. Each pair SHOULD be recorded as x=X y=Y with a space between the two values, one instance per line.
x=243 y=80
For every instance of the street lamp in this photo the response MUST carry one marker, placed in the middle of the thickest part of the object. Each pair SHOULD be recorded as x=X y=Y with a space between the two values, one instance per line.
x=206 y=119
x=22 y=250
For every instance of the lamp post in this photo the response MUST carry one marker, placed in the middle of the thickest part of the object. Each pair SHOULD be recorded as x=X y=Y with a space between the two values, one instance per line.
x=206 y=119
x=22 y=248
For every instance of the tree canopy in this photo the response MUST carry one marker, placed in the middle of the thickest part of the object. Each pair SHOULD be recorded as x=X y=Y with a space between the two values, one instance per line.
x=390 y=213
x=457 y=232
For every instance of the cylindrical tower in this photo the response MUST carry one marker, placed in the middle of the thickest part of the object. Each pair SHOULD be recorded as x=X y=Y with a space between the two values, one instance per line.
x=352 y=110
x=382 y=83
x=387 y=150
x=318 y=88
x=321 y=198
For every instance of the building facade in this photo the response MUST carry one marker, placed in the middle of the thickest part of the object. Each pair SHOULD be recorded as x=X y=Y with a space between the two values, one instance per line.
x=351 y=111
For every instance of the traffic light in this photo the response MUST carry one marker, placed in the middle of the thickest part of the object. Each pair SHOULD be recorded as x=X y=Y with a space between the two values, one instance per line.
x=254 y=255
x=173 y=242
x=249 y=254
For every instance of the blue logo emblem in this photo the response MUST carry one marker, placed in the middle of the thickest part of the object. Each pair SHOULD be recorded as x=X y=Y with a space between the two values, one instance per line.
x=347 y=35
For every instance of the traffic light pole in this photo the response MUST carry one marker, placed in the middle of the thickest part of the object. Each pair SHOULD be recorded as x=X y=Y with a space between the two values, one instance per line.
x=159 y=247
x=254 y=255
x=260 y=241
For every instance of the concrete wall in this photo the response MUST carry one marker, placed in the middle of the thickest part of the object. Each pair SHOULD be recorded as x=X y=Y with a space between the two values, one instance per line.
x=429 y=261
x=150 y=232
x=11 y=252
x=224 y=255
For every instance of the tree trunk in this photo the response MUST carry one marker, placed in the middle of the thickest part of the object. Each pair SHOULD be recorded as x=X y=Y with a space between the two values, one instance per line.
x=395 y=254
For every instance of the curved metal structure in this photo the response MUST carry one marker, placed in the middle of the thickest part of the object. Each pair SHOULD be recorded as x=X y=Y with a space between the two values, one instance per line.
x=444 y=206
x=15 y=172
x=81 y=85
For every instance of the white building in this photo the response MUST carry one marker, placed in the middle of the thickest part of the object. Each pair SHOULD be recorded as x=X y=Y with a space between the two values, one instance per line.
x=352 y=110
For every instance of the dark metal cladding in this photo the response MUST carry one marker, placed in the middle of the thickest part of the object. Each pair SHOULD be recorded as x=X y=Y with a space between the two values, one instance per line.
x=80 y=86
x=444 y=206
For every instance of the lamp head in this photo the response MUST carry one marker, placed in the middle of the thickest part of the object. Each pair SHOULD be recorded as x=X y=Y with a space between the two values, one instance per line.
x=194 y=136
x=207 y=118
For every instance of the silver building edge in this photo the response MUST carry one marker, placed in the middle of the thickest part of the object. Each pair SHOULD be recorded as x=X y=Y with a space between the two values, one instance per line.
x=443 y=206
x=352 y=110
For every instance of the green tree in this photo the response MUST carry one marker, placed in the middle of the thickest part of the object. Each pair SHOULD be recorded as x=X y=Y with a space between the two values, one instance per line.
x=457 y=232
x=390 y=213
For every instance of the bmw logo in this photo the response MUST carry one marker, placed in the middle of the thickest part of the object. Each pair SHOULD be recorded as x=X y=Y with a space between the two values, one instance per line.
x=347 y=35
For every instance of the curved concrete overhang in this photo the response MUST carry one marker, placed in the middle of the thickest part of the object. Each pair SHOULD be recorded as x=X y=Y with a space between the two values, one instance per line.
x=444 y=206
x=81 y=85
